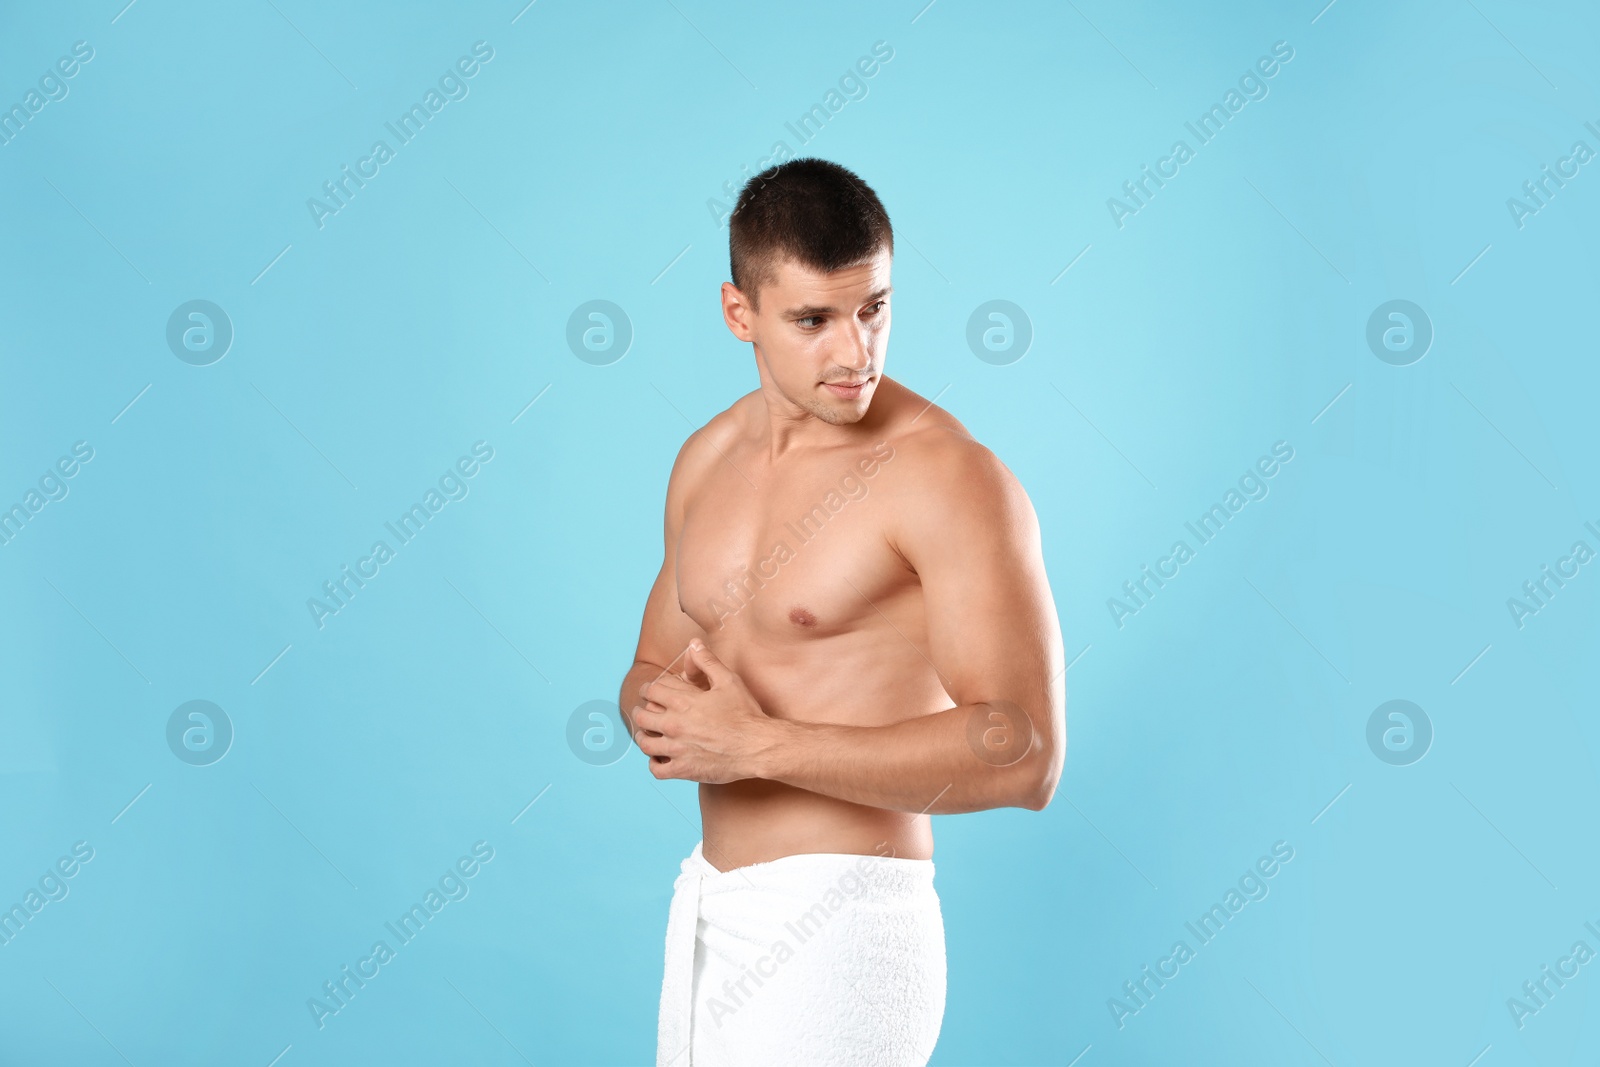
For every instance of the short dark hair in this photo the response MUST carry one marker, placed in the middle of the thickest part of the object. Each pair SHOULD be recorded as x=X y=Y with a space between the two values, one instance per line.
x=810 y=210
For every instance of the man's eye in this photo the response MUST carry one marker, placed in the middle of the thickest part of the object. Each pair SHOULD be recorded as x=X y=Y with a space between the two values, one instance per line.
x=809 y=318
x=880 y=305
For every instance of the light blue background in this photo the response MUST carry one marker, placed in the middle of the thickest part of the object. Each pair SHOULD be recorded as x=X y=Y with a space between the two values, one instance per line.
x=1228 y=314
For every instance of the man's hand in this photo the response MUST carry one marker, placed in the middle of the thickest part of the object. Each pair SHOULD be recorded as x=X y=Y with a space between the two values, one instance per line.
x=713 y=735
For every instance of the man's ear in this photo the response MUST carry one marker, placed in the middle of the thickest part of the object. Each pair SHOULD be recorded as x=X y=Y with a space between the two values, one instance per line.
x=736 y=312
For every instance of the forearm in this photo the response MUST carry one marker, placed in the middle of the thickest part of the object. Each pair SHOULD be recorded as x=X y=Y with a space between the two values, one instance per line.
x=952 y=761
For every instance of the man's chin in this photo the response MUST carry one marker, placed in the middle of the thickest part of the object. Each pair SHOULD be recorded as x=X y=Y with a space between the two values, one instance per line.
x=846 y=413
x=842 y=411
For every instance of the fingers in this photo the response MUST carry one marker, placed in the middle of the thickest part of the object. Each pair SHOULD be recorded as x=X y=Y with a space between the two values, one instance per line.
x=701 y=656
x=694 y=675
x=652 y=744
x=659 y=751
x=649 y=717
x=660 y=695
x=629 y=720
x=658 y=746
x=673 y=679
x=668 y=691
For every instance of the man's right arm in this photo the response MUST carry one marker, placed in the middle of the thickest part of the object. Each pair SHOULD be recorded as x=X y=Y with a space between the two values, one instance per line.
x=665 y=632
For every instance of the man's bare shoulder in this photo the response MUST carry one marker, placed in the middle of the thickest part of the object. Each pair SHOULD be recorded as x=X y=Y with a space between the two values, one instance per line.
x=712 y=444
x=942 y=470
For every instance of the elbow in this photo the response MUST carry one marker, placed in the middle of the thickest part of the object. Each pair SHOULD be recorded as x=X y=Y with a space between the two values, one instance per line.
x=1029 y=780
x=1030 y=783
x=1043 y=773
x=1039 y=795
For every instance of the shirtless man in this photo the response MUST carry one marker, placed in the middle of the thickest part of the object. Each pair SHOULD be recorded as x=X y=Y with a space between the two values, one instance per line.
x=851 y=631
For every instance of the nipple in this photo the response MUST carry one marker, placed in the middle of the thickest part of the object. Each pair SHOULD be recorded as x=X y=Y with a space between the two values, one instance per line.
x=802 y=617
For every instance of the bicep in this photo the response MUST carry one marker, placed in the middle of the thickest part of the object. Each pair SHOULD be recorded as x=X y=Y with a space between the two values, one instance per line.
x=992 y=628
x=666 y=630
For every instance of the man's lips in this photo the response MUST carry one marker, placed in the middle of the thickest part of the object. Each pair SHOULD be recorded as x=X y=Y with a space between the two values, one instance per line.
x=848 y=389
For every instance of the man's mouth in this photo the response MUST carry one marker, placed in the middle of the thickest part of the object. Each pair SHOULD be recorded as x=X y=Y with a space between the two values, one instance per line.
x=848 y=390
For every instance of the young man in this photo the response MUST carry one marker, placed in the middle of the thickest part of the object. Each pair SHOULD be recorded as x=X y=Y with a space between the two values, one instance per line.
x=843 y=564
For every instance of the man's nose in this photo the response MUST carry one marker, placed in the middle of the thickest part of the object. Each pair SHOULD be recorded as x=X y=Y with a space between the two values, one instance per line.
x=857 y=355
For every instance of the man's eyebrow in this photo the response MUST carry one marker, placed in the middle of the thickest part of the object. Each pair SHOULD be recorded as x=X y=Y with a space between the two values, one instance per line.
x=812 y=309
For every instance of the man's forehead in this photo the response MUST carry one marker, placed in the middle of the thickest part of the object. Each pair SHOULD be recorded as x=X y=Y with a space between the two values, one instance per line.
x=796 y=284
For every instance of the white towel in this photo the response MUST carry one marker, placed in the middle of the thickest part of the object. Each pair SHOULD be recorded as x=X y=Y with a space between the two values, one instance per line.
x=810 y=960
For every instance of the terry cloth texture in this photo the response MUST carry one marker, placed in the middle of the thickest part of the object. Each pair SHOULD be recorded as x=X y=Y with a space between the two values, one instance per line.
x=812 y=960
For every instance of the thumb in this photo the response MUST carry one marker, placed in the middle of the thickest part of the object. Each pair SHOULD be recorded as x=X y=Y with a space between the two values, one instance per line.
x=715 y=671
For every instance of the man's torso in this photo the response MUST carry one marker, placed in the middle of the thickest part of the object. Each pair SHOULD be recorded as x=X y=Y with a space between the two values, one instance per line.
x=790 y=570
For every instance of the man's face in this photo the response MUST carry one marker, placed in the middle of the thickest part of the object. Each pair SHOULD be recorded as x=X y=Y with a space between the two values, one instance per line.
x=818 y=333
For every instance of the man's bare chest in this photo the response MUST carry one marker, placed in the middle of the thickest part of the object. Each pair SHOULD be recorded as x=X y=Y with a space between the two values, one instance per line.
x=802 y=553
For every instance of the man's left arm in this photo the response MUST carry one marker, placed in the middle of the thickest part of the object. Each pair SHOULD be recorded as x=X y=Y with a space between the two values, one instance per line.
x=972 y=537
